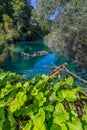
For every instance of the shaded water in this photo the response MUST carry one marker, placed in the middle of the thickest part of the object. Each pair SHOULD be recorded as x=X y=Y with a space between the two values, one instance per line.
x=16 y=62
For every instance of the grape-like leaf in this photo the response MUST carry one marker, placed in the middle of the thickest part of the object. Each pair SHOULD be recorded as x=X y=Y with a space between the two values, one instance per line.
x=40 y=97
x=69 y=95
x=55 y=127
x=75 y=124
x=18 y=101
x=69 y=81
x=60 y=115
x=28 y=126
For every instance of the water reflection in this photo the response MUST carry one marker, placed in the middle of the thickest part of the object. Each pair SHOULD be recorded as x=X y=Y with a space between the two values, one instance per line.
x=16 y=62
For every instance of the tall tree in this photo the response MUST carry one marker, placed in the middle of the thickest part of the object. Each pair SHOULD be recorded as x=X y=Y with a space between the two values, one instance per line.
x=14 y=20
x=69 y=31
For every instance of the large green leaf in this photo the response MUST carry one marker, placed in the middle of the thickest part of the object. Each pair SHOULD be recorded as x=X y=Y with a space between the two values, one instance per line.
x=18 y=101
x=69 y=81
x=9 y=88
x=57 y=86
x=28 y=126
x=26 y=86
x=49 y=108
x=39 y=126
x=55 y=127
x=40 y=97
x=60 y=115
x=60 y=96
x=34 y=91
x=69 y=95
x=75 y=124
x=63 y=126
x=2 y=103
x=38 y=120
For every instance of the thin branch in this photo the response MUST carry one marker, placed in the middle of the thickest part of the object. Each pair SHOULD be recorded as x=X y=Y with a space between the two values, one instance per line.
x=75 y=76
x=57 y=69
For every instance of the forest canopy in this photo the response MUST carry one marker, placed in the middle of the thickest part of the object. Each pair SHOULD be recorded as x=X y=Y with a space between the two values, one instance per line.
x=68 y=26
x=46 y=102
x=63 y=23
x=15 y=23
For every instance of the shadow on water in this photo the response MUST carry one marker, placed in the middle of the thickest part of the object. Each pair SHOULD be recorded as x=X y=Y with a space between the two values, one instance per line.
x=29 y=67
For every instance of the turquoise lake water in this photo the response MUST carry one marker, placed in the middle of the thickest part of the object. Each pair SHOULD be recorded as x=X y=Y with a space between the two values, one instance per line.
x=29 y=67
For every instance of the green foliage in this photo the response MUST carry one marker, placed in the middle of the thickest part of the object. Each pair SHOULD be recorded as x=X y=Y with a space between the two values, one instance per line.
x=69 y=81
x=17 y=22
x=14 y=24
x=75 y=124
x=69 y=31
x=41 y=103
x=18 y=102
x=1 y=47
x=60 y=115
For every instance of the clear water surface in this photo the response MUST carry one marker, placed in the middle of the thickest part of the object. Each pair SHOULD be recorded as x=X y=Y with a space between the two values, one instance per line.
x=29 y=67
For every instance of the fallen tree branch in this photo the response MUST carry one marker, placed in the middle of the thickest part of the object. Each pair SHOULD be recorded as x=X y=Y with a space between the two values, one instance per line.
x=63 y=66
x=75 y=76
x=56 y=71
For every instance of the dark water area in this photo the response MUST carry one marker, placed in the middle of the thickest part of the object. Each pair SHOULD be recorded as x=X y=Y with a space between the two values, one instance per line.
x=29 y=67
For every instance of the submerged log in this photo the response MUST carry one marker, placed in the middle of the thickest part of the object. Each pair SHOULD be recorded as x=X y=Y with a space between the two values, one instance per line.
x=39 y=53
x=25 y=54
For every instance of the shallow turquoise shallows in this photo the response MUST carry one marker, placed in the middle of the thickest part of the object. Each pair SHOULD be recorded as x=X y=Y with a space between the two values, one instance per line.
x=29 y=67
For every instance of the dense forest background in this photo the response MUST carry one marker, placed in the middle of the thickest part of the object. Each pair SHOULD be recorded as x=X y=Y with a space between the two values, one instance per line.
x=62 y=23
x=46 y=102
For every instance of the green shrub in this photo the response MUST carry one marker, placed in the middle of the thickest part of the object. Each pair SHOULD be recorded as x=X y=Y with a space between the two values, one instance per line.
x=41 y=103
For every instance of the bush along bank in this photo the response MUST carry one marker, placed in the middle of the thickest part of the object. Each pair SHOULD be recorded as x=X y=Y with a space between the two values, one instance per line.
x=43 y=102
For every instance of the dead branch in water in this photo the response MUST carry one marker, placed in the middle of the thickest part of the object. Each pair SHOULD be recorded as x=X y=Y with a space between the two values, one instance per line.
x=75 y=76
x=63 y=66
x=56 y=71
